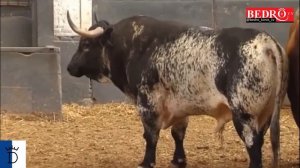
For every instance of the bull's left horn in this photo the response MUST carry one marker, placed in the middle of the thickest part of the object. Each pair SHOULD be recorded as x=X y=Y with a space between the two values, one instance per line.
x=96 y=18
x=90 y=34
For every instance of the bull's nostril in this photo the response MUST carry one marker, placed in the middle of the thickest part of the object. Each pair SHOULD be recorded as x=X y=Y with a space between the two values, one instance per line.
x=74 y=71
x=71 y=71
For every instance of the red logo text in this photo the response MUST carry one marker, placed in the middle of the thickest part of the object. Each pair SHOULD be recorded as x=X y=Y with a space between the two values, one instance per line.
x=285 y=15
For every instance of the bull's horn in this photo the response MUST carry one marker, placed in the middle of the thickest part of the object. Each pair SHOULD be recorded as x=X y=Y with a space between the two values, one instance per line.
x=96 y=18
x=90 y=34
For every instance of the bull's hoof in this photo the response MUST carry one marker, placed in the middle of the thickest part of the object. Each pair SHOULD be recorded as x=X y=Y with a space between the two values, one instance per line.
x=142 y=165
x=179 y=163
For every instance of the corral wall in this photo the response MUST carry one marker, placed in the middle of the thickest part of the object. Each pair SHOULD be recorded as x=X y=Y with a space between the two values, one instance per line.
x=38 y=21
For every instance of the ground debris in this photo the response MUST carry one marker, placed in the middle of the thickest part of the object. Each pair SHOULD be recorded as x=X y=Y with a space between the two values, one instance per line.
x=110 y=135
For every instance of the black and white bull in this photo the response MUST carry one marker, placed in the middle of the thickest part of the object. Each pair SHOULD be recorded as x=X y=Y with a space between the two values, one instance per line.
x=172 y=71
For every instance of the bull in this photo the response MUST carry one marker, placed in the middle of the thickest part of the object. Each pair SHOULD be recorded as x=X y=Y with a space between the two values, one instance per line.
x=171 y=71
x=292 y=50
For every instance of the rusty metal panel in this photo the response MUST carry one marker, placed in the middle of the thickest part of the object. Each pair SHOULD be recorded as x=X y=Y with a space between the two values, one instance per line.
x=31 y=79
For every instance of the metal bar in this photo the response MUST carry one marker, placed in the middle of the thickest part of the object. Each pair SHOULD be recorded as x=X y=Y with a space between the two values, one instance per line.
x=90 y=100
x=214 y=17
x=14 y=3
x=80 y=16
x=49 y=49
x=91 y=89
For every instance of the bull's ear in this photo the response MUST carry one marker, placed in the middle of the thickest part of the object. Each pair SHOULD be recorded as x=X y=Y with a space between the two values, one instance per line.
x=109 y=30
x=106 y=35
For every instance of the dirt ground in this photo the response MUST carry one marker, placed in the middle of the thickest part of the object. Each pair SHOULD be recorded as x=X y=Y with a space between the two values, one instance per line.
x=110 y=135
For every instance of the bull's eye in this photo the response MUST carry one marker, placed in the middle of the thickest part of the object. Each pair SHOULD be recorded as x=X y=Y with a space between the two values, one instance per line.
x=85 y=46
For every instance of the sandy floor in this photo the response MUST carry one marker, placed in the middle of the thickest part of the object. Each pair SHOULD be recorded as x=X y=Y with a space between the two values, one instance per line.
x=110 y=135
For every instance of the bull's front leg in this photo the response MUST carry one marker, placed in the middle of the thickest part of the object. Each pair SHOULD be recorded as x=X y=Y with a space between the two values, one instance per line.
x=151 y=130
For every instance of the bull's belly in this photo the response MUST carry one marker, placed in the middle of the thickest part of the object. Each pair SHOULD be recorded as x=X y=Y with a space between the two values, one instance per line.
x=172 y=109
x=182 y=107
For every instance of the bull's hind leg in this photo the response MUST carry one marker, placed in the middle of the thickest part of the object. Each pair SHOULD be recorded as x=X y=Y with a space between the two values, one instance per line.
x=252 y=138
x=151 y=130
x=178 y=133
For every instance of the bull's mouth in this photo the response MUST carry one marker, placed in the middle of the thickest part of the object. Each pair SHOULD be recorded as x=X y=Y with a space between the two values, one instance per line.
x=99 y=78
x=75 y=74
x=94 y=77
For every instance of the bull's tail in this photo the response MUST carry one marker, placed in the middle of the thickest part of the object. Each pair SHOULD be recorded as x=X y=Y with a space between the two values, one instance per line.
x=275 y=134
x=282 y=74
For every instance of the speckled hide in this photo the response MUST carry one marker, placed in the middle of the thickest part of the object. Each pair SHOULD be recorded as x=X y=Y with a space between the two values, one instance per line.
x=171 y=71
x=198 y=75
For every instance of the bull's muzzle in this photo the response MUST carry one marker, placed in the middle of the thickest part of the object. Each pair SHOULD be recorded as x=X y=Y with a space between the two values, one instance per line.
x=74 y=71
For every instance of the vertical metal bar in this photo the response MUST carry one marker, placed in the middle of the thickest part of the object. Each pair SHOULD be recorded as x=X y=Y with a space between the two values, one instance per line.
x=91 y=89
x=80 y=17
x=90 y=100
x=214 y=17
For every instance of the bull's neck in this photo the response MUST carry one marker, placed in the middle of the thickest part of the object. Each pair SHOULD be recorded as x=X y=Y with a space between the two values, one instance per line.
x=116 y=68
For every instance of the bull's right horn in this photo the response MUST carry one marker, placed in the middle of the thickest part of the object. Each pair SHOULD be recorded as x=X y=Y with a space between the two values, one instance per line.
x=90 y=34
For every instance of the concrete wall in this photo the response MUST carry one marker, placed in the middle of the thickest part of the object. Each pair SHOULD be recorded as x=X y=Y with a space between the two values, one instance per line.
x=196 y=12
x=16 y=26
x=15 y=11
x=229 y=13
